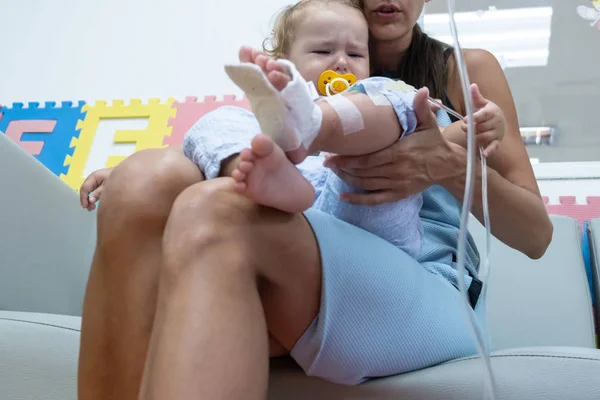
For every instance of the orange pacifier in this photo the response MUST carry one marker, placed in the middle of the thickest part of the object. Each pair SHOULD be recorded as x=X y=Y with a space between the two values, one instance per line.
x=330 y=82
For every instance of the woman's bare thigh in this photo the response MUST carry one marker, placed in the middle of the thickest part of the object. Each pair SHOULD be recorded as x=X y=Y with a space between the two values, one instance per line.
x=280 y=247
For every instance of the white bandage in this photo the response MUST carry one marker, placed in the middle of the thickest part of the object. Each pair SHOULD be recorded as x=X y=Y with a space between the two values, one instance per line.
x=299 y=96
x=314 y=95
x=377 y=98
x=290 y=117
x=349 y=115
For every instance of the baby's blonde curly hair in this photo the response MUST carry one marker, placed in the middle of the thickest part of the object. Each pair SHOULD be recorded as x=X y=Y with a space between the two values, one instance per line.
x=280 y=41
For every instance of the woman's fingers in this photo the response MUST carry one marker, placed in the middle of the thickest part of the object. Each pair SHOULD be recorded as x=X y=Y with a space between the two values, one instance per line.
x=425 y=116
x=382 y=171
x=372 y=160
x=369 y=199
x=365 y=183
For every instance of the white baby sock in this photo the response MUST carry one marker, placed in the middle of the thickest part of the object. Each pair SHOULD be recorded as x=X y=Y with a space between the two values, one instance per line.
x=290 y=117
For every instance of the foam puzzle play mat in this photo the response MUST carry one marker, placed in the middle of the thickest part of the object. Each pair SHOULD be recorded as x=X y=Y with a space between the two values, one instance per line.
x=74 y=139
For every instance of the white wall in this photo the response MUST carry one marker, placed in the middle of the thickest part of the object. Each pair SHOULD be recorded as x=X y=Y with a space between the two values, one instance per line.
x=54 y=50
x=579 y=179
x=110 y=49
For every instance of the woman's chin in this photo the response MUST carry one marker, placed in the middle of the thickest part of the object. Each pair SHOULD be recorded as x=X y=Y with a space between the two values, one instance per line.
x=387 y=33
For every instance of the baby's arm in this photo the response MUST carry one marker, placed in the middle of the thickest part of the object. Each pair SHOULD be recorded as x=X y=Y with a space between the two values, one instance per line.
x=350 y=123
x=355 y=125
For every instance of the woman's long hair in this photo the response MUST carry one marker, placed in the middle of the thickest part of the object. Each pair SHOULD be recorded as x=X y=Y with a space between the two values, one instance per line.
x=423 y=64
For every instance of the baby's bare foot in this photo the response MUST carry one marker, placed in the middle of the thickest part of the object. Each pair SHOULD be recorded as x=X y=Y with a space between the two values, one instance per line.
x=267 y=176
x=276 y=73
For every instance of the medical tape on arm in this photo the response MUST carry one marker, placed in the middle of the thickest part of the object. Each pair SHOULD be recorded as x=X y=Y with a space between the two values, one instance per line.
x=377 y=97
x=389 y=93
x=349 y=114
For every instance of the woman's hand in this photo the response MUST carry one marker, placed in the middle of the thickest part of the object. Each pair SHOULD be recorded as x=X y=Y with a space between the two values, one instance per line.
x=407 y=167
x=93 y=184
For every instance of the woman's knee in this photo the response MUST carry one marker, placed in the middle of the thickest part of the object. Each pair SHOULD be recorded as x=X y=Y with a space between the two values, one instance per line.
x=205 y=215
x=212 y=220
x=214 y=212
x=147 y=182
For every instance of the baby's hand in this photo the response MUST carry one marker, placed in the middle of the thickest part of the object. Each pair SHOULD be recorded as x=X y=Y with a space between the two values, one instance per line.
x=92 y=188
x=490 y=123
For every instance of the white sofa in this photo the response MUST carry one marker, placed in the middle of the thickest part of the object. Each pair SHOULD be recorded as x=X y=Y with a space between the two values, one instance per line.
x=540 y=312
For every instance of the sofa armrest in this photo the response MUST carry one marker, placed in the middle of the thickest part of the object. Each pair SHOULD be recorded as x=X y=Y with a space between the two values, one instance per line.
x=46 y=238
x=543 y=302
x=594 y=241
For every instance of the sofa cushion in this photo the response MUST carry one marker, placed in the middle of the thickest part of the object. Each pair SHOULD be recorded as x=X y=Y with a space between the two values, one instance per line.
x=38 y=354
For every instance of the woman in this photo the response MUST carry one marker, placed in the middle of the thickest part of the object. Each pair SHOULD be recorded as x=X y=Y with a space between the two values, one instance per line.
x=191 y=283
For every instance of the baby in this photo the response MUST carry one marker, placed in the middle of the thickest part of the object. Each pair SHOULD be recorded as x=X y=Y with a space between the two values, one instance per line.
x=311 y=37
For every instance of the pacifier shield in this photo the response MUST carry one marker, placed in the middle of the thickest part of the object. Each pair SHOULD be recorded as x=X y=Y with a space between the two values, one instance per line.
x=337 y=82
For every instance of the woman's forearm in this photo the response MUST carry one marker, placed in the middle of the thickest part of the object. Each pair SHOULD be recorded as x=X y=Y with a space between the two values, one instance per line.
x=518 y=217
